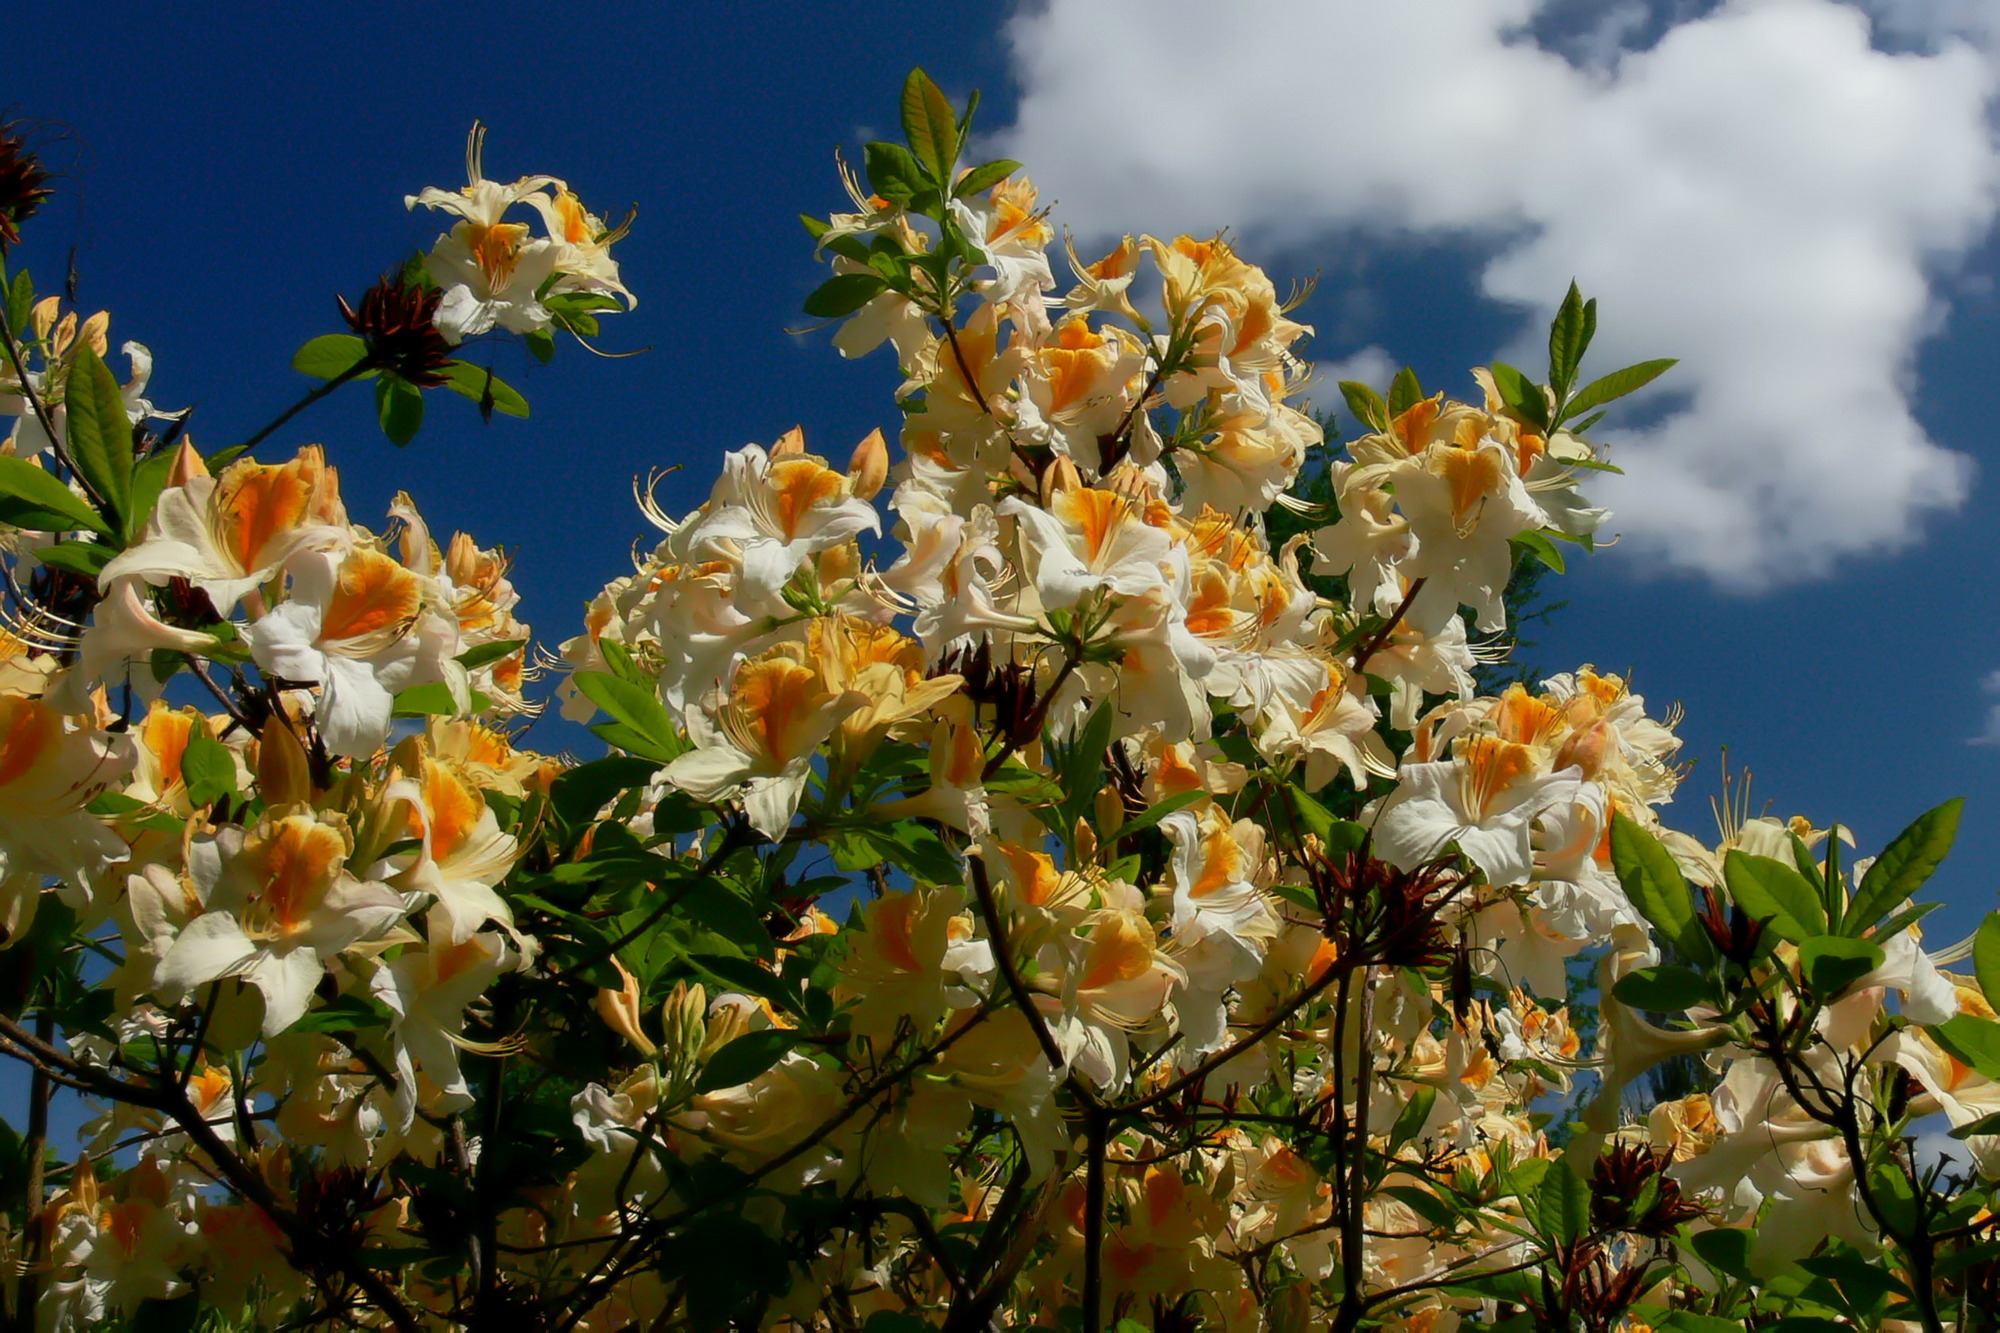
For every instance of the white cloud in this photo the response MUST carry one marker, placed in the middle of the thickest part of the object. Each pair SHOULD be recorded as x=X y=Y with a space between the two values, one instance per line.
x=1990 y=686
x=1761 y=192
x=1371 y=365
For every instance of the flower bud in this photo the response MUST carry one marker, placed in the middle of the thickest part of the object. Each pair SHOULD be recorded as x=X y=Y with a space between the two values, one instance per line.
x=284 y=774
x=868 y=469
x=1587 y=750
x=791 y=442
x=96 y=332
x=1060 y=476
x=187 y=465
x=683 y=1017
x=1086 y=841
x=1110 y=810
x=620 y=1010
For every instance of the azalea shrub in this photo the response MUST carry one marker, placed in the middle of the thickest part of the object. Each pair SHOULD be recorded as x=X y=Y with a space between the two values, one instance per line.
x=1056 y=870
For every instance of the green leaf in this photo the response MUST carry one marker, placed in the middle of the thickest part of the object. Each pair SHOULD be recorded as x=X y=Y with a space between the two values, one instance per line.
x=1866 y=1285
x=541 y=343
x=1724 y=1249
x=1416 y=1113
x=345 y=1013
x=1974 y=1041
x=31 y=498
x=149 y=479
x=930 y=125
x=1986 y=956
x=85 y=558
x=1894 y=1198
x=743 y=1059
x=984 y=177
x=1832 y=963
x=1562 y=1204
x=709 y=903
x=750 y=978
x=100 y=435
x=1654 y=883
x=399 y=407
x=584 y=790
x=1617 y=384
x=20 y=303
x=1985 y=1126
x=1903 y=867
x=638 y=707
x=1154 y=814
x=1081 y=766
x=208 y=769
x=1667 y=988
x=913 y=848
x=843 y=294
x=432 y=699
x=1366 y=405
x=892 y=172
x=330 y=356
x=1686 y=1321
x=1538 y=545
x=486 y=653
x=1776 y=894
x=1405 y=392
x=1522 y=395
x=482 y=386
x=1569 y=336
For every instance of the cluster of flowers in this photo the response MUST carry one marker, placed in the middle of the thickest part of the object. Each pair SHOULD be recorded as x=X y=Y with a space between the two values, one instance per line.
x=1058 y=870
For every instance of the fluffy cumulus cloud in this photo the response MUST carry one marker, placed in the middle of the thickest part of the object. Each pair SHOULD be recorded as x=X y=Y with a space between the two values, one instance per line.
x=1768 y=189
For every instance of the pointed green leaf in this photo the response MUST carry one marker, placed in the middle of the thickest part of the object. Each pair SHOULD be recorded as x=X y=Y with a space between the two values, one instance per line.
x=399 y=406
x=208 y=769
x=1986 y=957
x=1538 y=545
x=486 y=653
x=85 y=558
x=1776 y=894
x=1667 y=988
x=892 y=172
x=20 y=303
x=1653 y=881
x=1522 y=395
x=1724 y=1249
x=1405 y=392
x=149 y=479
x=931 y=126
x=482 y=386
x=743 y=1059
x=984 y=177
x=100 y=434
x=1904 y=865
x=1416 y=1113
x=1567 y=340
x=843 y=294
x=31 y=498
x=329 y=356
x=1972 y=1040
x=1832 y=963
x=1154 y=814
x=638 y=707
x=1366 y=405
x=1617 y=384
x=1562 y=1204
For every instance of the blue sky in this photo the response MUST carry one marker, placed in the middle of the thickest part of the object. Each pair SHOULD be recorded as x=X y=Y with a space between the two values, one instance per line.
x=1823 y=601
